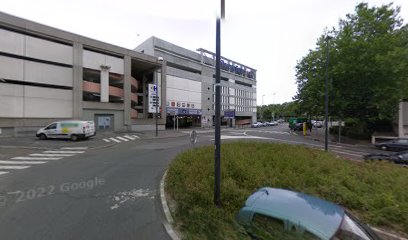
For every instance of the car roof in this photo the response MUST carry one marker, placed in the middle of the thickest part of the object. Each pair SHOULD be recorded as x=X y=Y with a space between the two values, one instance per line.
x=318 y=216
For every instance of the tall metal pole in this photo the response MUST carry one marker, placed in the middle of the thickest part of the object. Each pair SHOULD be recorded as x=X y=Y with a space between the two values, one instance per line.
x=217 y=152
x=156 y=102
x=326 y=100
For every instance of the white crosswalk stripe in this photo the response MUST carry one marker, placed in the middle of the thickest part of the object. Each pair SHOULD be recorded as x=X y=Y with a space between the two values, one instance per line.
x=74 y=148
x=50 y=155
x=17 y=163
x=123 y=139
x=68 y=152
x=129 y=137
x=36 y=158
x=115 y=140
x=21 y=162
x=13 y=167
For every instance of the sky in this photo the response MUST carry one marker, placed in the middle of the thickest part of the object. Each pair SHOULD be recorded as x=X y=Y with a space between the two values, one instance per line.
x=267 y=35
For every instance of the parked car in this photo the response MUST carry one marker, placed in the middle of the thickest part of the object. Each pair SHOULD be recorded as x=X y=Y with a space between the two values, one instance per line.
x=272 y=213
x=73 y=130
x=398 y=158
x=399 y=144
x=273 y=123
x=256 y=125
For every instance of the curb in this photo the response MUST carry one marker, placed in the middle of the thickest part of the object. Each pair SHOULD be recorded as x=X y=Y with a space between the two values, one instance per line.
x=169 y=219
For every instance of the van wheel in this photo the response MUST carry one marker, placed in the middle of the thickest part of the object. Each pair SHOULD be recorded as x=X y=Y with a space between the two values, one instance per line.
x=74 y=137
x=43 y=136
x=383 y=147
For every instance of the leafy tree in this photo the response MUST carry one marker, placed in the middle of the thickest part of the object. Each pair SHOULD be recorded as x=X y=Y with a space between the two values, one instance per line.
x=368 y=69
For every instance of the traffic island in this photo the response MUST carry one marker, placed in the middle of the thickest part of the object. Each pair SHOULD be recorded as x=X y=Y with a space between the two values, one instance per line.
x=374 y=192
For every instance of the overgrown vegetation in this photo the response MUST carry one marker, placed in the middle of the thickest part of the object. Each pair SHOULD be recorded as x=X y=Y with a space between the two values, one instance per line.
x=375 y=192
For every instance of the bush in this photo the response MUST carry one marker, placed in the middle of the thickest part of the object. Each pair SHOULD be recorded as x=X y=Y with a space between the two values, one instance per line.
x=375 y=192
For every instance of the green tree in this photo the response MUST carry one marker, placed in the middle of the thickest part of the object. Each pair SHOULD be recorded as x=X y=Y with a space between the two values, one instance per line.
x=368 y=69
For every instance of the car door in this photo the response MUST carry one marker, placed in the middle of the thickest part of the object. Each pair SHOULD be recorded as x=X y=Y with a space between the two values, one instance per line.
x=51 y=130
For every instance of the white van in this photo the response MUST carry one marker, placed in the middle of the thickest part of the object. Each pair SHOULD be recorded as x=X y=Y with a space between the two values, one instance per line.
x=73 y=130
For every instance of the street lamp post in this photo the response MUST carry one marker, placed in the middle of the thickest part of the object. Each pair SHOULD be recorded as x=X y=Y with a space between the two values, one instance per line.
x=326 y=100
x=217 y=142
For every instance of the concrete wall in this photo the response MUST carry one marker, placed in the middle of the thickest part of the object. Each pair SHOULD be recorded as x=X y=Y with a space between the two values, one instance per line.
x=28 y=46
x=403 y=120
x=89 y=114
x=181 y=90
x=94 y=60
x=19 y=101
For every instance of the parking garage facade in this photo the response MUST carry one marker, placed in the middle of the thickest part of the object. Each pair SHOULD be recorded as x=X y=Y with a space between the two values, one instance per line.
x=47 y=74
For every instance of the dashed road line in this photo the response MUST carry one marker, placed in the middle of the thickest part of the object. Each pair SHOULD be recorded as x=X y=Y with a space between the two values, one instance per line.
x=36 y=158
x=13 y=167
x=1 y=172
x=123 y=139
x=347 y=153
x=74 y=148
x=50 y=155
x=68 y=152
x=21 y=162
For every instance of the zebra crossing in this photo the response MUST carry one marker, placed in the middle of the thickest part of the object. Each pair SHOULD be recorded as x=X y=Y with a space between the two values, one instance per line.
x=24 y=162
x=119 y=139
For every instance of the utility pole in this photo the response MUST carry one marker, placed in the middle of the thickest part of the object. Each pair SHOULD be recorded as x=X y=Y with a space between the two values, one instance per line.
x=217 y=142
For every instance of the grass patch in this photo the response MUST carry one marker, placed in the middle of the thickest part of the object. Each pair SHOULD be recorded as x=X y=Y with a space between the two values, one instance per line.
x=377 y=192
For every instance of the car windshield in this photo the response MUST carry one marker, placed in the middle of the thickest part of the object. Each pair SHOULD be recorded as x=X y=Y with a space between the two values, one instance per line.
x=265 y=227
x=351 y=229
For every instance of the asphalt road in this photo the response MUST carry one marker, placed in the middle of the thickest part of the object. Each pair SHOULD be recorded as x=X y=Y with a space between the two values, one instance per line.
x=107 y=193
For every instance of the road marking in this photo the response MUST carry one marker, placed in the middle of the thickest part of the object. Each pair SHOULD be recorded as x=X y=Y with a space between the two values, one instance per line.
x=21 y=162
x=35 y=158
x=136 y=136
x=347 y=153
x=74 y=148
x=50 y=155
x=106 y=140
x=115 y=140
x=123 y=139
x=240 y=137
x=13 y=167
x=68 y=152
x=129 y=137
x=1 y=173
x=348 y=150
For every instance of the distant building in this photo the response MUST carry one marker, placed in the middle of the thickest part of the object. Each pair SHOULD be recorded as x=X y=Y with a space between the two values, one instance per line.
x=190 y=88
x=47 y=74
